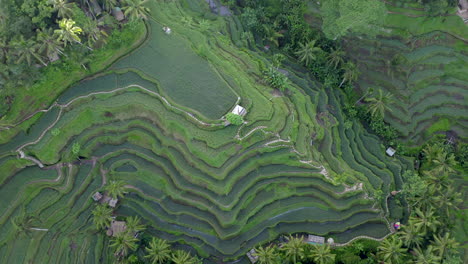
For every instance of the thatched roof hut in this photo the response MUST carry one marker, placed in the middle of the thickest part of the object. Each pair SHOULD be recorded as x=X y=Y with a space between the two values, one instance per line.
x=116 y=228
x=118 y=14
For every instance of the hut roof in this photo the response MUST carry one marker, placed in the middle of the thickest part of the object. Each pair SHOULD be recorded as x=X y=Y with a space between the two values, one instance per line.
x=390 y=151
x=116 y=228
x=97 y=10
x=113 y=202
x=463 y=4
x=251 y=255
x=239 y=110
x=97 y=196
x=315 y=239
x=118 y=14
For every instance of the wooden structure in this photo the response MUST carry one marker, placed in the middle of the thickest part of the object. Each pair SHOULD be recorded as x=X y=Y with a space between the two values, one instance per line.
x=239 y=110
x=116 y=227
x=251 y=255
x=390 y=151
x=118 y=14
x=463 y=10
x=311 y=239
x=113 y=202
x=97 y=196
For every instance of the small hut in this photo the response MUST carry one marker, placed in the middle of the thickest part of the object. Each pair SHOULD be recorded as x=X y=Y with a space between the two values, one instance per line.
x=97 y=196
x=118 y=14
x=311 y=239
x=113 y=202
x=330 y=241
x=116 y=227
x=251 y=256
x=239 y=110
x=97 y=10
x=167 y=30
x=390 y=151
x=463 y=10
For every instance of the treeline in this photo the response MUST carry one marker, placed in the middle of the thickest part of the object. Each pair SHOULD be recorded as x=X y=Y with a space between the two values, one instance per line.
x=34 y=33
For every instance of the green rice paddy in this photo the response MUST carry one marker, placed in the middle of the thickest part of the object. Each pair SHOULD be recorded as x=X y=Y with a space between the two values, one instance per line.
x=153 y=121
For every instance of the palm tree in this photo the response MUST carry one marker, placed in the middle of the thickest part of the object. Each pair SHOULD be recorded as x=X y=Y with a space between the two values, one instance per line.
x=68 y=32
x=23 y=223
x=64 y=9
x=135 y=9
x=391 y=251
x=109 y=4
x=115 y=189
x=308 y=52
x=48 y=44
x=432 y=151
x=294 y=249
x=321 y=254
x=444 y=244
x=351 y=72
x=335 y=58
x=426 y=256
x=448 y=200
x=378 y=105
x=158 y=251
x=93 y=31
x=183 y=257
x=267 y=255
x=123 y=242
x=102 y=216
x=444 y=163
x=411 y=236
x=27 y=50
x=271 y=34
x=425 y=221
x=133 y=225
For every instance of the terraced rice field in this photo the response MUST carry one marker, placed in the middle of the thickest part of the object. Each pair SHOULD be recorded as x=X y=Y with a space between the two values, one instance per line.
x=428 y=81
x=220 y=190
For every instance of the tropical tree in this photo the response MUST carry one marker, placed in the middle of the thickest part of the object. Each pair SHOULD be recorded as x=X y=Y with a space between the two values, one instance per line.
x=443 y=245
x=109 y=4
x=68 y=32
x=27 y=50
x=321 y=254
x=448 y=200
x=336 y=58
x=350 y=72
x=271 y=34
x=308 y=52
x=410 y=235
x=115 y=189
x=63 y=8
x=267 y=255
x=102 y=216
x=135 y=9
x=380 y=104
x=444 y=163
x=133 y=225
x=158 y=251
x=294 y=249
x=426 y=256
x=123 y=242
x=431 y=152
x=425 y=221
x=48 y=43
x=23 y=223
x=93 y=31
x=391 y=251
x=183 y=257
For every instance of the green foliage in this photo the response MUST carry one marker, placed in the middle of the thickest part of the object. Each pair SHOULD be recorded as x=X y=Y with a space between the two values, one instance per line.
x=234 y=119
x=345 y=17
x=76 y=148
x=102 y=216
x=275 y=78
x=55 y=132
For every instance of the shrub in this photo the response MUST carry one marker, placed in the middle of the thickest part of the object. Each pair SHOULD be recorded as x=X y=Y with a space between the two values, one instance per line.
x=55 y=132
x=76 y=148
x=234 y=119
x=275 y=78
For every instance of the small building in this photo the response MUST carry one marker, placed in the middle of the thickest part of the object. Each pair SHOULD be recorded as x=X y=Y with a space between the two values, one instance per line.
x=330 y=241
x=118 y=14
x=167 y=30
x=311 y=239
x=390 y=151
x=463 y=10
x=97 y=10
x=239 y=110
x=113 y=202
x=251 y=255
x=116 y=227
x=97 y=196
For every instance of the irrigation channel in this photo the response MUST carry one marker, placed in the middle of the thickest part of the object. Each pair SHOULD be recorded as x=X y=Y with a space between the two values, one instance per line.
x=154 y=120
